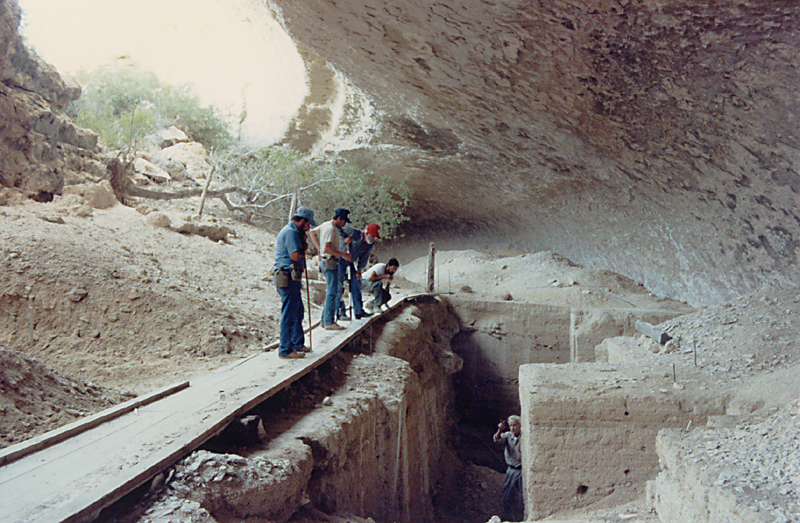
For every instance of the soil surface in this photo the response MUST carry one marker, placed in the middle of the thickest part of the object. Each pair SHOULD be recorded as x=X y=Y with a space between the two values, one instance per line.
x=100 y=305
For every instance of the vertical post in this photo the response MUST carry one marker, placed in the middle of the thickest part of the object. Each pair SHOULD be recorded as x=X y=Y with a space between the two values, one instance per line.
x=431 y=259
x=205 y=192
x=30 y=309
x=292 y=207
x=574 y=320
x=308 y=301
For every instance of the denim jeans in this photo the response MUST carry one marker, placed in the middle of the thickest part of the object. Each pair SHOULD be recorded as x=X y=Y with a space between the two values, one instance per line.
x=292 y=311
x=513 y=505
x=381 y=295
x=355 y=289
x=332 y=283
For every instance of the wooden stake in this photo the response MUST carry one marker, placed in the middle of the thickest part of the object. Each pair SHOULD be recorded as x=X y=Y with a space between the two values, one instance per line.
x=308 y=300
x=431 y=258
x=205 y=192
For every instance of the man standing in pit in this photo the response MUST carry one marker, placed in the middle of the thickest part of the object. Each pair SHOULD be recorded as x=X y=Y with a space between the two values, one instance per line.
x=379 y=278
x=513 y=505
x=326 y=239
x=360 y=246
x=290 y=262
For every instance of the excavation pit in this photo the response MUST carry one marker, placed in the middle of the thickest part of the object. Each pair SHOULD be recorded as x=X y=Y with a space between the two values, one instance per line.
x=397 y=427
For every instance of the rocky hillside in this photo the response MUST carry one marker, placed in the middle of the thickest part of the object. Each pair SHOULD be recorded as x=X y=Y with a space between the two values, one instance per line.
x=40 y=148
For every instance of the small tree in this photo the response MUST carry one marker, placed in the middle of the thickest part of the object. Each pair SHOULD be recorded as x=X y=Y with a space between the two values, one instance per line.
x=270 y=178
x=124 y=103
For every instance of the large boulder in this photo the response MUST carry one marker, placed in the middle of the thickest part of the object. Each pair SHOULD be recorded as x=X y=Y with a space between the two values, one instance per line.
x=191 y=155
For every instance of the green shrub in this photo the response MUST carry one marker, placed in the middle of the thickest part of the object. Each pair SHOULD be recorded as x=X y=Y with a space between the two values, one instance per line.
x=271 y=177
x=124 y=103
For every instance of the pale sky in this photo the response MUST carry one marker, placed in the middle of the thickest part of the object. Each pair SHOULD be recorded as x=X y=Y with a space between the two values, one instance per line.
x=231 y=50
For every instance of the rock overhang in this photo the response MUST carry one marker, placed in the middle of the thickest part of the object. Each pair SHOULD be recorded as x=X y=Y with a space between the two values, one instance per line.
x=654 y=139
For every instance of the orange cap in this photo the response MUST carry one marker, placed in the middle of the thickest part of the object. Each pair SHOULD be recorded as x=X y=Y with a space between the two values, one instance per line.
x=372 y=230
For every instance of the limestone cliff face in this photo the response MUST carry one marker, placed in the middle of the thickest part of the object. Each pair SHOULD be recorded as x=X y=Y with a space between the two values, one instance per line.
x=40 y=148
x=656 y=139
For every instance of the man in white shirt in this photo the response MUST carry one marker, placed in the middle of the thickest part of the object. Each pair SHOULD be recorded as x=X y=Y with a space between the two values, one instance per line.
x=379 y=278
x=326 y=239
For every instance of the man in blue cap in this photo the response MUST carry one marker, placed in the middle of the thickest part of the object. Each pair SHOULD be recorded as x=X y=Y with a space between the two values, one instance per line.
x=290 y=262
x=326 y=239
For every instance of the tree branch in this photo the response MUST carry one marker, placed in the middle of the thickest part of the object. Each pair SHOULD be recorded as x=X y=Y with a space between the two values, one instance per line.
x=141 y=192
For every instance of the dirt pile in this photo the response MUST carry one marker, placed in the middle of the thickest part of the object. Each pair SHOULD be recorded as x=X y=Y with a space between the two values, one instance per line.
x=35 y=399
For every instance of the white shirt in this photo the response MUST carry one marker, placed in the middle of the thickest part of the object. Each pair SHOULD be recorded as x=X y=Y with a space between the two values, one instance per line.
x=326 y=235
x=379 y=269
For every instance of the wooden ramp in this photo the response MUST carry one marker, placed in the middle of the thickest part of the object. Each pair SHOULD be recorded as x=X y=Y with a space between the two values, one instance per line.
x=72 y=473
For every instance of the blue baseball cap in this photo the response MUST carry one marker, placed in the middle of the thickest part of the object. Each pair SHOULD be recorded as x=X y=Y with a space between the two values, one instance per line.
x=305 y=212
x=342 y=213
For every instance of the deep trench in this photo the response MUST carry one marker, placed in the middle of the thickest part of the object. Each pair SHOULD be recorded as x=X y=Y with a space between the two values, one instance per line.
x=460 y=494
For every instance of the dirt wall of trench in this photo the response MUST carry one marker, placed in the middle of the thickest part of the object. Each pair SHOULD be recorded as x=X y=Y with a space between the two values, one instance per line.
x=497 y=337
x=589 y=430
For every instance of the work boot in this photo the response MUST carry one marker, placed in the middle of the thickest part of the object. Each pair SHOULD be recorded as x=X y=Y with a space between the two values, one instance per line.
x=292 y=355
x=333 y=327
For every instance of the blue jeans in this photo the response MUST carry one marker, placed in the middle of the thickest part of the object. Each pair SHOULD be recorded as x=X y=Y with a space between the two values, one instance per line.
x=513 y=505
x=292 y=311
x=355 y=289
x=381 y=295
x=332 y=283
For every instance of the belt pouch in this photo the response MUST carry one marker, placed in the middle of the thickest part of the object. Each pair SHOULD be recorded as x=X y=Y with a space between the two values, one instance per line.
x=331 y=263
x=281 y=278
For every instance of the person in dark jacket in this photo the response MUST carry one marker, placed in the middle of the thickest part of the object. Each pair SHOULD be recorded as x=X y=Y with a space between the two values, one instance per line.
x=359 y=243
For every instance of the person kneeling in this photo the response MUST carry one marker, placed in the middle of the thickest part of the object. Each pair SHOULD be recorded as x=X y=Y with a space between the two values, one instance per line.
x=379 y=278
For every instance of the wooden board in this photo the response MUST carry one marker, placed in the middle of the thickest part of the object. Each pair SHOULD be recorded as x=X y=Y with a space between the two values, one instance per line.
x=71 y=474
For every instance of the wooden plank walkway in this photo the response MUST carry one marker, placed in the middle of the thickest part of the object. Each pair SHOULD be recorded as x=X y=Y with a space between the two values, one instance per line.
x=71 y=474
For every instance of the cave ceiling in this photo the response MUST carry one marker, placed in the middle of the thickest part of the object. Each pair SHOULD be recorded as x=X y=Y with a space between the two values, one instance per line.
x=658 y=139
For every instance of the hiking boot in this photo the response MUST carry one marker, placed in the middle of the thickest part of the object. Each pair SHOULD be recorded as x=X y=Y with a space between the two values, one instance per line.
x=292 y=355
x=333 y=327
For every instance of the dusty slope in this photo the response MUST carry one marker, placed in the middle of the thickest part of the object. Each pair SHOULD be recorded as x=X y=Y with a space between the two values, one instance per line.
x=104 y=296
x=122 y=303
